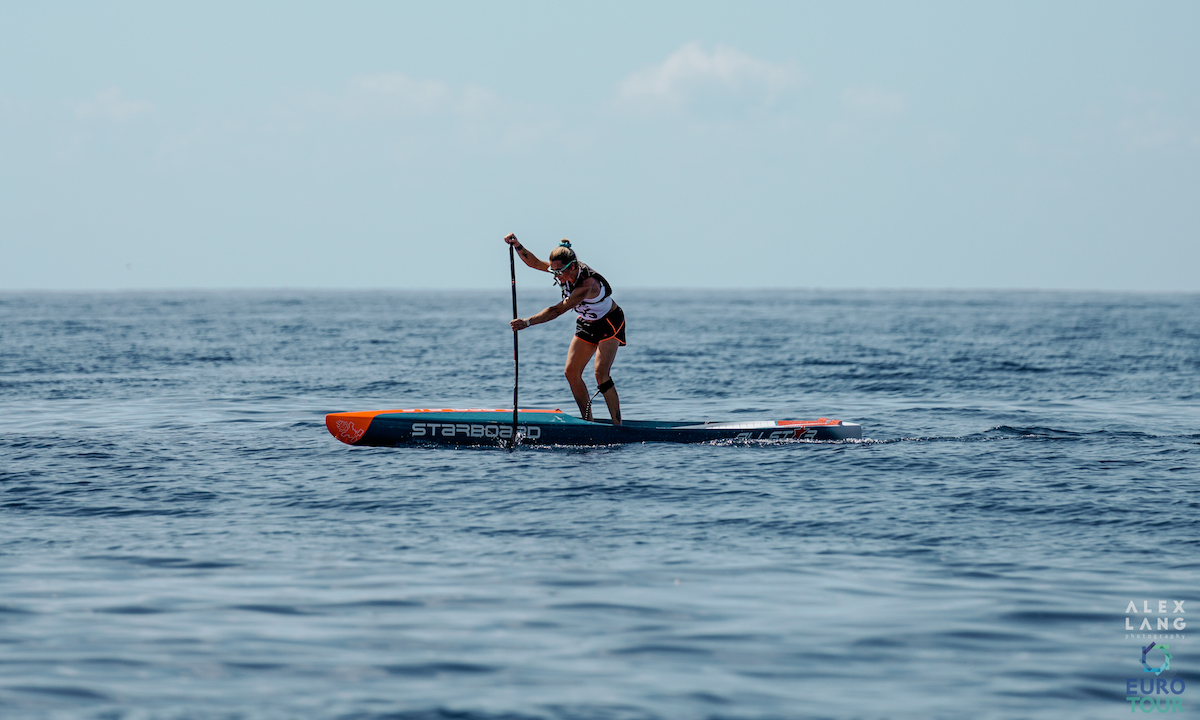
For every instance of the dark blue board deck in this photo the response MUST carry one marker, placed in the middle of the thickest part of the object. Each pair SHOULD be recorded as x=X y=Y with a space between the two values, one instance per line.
x=554 y=427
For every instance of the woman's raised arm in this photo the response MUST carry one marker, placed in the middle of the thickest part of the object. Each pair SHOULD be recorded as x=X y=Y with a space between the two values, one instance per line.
x=526 y=257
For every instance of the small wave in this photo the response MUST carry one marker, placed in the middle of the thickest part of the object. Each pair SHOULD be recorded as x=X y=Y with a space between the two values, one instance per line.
x=1057 y=617
x=130 y=610
x=436 y=669
x=253 y=665
x=660 y=650
x=441 y=713
x=174 y=563
x=371 y=604
x=999 y=432
x=119 y=511
x=616 y=609
x=273 y=609
x=65 y=692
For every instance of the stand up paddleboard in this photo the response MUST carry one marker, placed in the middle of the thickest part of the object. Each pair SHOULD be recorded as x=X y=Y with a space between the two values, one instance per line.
x=509 y=428
x=554 y=427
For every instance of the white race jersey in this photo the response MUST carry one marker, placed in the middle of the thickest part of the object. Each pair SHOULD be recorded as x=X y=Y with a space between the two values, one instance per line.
x=592 y=308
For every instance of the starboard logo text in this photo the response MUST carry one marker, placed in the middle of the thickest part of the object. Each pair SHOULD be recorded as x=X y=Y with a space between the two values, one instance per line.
x=491 y=430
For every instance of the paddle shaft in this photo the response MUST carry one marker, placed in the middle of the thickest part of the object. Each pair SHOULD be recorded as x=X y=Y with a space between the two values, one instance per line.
x=512 y=266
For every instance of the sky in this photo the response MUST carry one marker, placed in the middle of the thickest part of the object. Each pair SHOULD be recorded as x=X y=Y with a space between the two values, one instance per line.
x=1048 y=145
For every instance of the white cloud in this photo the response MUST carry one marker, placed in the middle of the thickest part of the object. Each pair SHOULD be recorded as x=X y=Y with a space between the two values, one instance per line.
x=862 y=109
x=396 y=94
x=874 y=102
x=692 y=74
x=1154 y=129
x=408 y=116
x=109 y=104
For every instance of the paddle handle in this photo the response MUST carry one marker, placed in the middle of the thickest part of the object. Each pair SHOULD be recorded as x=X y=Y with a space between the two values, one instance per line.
x=512 y=266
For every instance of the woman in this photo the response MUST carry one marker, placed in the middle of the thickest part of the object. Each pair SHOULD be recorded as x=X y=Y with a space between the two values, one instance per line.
x=599 y=329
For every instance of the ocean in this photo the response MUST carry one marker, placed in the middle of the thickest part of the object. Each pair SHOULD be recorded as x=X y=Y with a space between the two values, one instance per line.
x=181 y=538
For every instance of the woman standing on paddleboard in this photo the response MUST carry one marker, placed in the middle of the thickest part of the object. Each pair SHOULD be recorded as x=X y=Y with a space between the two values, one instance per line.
x=599 y=328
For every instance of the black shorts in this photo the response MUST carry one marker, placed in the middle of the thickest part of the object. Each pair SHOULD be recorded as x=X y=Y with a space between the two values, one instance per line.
x=594 y=331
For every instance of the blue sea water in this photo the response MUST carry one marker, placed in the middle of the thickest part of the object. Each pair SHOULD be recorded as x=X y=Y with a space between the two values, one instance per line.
x=181 y=538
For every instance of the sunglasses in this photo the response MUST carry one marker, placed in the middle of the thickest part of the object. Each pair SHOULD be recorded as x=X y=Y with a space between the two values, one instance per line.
x=562 y=269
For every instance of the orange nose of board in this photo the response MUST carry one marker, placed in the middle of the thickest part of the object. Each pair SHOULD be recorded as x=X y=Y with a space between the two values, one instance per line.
x=349 y=427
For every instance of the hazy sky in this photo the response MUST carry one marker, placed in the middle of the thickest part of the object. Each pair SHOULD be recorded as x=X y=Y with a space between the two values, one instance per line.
x=829 y=145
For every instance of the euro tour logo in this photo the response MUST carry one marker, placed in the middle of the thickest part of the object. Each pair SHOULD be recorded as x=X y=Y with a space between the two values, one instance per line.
x=1155 y=694
x=1151 y=692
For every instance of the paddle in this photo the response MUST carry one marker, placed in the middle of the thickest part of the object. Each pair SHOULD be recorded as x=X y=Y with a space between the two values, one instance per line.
x=512 y=266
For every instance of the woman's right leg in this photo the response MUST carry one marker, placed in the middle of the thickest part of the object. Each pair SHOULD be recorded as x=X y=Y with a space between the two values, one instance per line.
x=578 y=355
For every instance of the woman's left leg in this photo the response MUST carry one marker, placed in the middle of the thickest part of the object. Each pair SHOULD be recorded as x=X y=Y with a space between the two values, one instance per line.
x=606 y=353
x=578 y=355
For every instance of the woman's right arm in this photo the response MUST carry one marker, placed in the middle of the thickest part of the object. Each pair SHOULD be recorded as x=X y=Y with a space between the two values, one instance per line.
x=526 y=257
